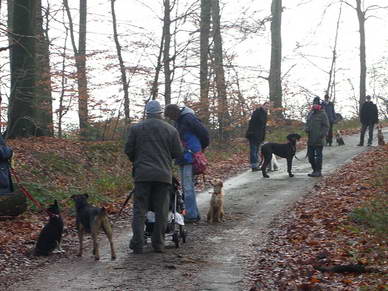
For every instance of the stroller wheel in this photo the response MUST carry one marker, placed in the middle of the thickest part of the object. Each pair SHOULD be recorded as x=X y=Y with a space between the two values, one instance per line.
x=182 y=233
x=175 y=239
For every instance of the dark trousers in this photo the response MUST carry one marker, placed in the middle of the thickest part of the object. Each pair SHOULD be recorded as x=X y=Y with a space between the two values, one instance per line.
x=148 y=195
x=314 y=154
x=254 y=153
x=329 y=137
x=363 y=130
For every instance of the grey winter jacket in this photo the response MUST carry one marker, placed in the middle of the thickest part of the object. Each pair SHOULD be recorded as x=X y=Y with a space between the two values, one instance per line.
x=151 y=146
x=317 y=127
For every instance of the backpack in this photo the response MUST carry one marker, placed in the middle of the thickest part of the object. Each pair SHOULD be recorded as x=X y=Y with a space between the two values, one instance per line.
x=200 y=163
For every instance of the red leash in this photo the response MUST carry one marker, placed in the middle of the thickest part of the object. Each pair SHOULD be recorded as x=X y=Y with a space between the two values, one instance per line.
x=28 y=194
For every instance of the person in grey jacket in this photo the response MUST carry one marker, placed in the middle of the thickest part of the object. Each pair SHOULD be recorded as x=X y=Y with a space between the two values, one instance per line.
x=330 y=112
x=151 y=146
x=317 y=127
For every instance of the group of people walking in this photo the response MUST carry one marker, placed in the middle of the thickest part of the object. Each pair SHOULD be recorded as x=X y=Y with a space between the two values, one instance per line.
x=153 y=144
x=319 y=129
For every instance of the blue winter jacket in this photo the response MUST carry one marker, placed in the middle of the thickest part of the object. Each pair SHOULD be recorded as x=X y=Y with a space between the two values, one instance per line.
x=194 y=136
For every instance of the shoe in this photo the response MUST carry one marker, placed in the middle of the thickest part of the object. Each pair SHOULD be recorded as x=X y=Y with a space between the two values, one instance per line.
x=159 y=250
x=135 y=250
x=360 y=145
x=255 y=169
x=315 y=174
x=369 y=144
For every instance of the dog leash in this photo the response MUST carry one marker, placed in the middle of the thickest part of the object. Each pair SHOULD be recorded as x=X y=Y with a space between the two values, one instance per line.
x=125 y=203
x=28 y=194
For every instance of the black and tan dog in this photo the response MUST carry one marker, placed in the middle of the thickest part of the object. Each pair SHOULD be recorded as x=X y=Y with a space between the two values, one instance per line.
x=51 y=235
x=339 y=139
x=286 y=151
x=216 y=209
x=92 y=219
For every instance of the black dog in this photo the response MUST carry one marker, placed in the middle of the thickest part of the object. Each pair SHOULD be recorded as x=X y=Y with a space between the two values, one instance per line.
x=91 y=219
x=51 y=234
x=282 y=150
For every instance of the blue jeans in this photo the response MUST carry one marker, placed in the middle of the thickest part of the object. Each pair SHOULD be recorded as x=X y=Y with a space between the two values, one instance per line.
x=254 y=149
x=315 y=156
x=189 y=191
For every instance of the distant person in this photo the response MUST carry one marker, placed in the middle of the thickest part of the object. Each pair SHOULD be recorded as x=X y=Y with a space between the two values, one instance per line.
x=151 y=146
x=368 y=117
x=256 y=134
x=6 y=185
x=317 y=127
x=330 y=112
x=195 y=138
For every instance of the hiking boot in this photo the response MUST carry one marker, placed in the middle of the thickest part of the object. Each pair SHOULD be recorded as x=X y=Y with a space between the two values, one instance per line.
x=255 y=169
x=360 y=145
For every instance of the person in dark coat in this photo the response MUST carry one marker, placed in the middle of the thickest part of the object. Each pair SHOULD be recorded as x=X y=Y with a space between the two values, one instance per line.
x=330 y=112
x=256 y=134
x=6 y=185
x=368 y=117
x=195 y=138
x=151 y=146
x=317 y=127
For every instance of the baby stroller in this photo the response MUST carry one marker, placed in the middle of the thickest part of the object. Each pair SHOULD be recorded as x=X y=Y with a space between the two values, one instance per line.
x=175 y=225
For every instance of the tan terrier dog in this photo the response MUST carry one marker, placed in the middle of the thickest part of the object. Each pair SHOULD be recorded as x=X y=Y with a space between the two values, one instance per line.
x=380 y=135
x=216 y=210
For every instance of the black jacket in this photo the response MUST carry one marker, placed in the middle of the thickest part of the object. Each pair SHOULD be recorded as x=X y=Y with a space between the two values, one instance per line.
x=369 y=113
x=6 y=185
x=257 y=125
x=151 y=146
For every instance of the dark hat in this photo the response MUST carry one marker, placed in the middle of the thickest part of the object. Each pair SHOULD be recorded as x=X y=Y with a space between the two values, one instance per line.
x=367 y=97
x=153 y=107
x=317 y=100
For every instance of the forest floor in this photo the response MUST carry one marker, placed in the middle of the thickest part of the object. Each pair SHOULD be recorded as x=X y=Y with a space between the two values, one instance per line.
x=264 y=244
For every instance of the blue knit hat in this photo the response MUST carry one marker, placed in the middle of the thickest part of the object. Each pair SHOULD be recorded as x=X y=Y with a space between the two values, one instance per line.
x=153 y=107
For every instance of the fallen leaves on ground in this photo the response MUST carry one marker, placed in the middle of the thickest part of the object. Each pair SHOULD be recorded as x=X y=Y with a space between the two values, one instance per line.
x=318 y=231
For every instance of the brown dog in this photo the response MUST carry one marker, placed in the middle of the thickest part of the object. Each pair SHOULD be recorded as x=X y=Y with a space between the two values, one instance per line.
x=91 y=219
x=380 y=135
x=216 y=210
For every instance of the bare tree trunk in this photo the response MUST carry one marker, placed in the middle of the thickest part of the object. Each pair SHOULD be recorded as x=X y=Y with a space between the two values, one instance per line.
x=22 y=52
x=204 y=53
x=222 y=110
x=42 y=93
x=334 y=58
x=361 y=21
x=274 y=79
x=155 y=83
x=80 y=62
x=166 y=51
x=62 y=111
x=124 y=81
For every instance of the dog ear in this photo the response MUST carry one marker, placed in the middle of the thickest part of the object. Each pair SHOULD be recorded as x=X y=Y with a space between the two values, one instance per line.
x=86 y=195
x=55 y=202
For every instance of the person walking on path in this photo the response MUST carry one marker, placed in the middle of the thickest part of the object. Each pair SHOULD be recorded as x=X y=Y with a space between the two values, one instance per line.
x=368 y=117
x=256 y=134
x=195 y=138
x=330 y=112
x=317 y=127
x=151 y=146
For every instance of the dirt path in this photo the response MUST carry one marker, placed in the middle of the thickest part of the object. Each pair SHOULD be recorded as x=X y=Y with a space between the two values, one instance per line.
x=215 y=257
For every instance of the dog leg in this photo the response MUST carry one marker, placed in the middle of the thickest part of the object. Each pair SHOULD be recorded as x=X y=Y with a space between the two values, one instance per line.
x=81 y=240
x=96 y=251
x=108 y=231
x=264 y=168
x=289 y=167
x=210 y=215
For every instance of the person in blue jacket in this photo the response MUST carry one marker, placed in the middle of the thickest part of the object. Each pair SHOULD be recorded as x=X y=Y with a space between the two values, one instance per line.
x=6 y=185
x=195 y=138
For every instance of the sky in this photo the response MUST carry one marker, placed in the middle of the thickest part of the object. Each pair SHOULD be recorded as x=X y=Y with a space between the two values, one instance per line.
x=308 y=29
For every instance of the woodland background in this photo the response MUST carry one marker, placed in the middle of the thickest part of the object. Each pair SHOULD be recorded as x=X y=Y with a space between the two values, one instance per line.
x=73 y=68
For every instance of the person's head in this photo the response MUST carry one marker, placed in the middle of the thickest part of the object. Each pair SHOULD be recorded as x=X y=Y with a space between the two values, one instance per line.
x=172 y=111
x=317 y=104
x=327 y=97
x=153 y=108
x=266 y=105
x=368 y=98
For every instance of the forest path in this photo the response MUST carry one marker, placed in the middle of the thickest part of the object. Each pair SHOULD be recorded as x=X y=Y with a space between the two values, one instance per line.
x=215 y=257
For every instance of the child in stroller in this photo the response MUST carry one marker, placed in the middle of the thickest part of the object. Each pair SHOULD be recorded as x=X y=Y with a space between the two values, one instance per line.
x=175 y=217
